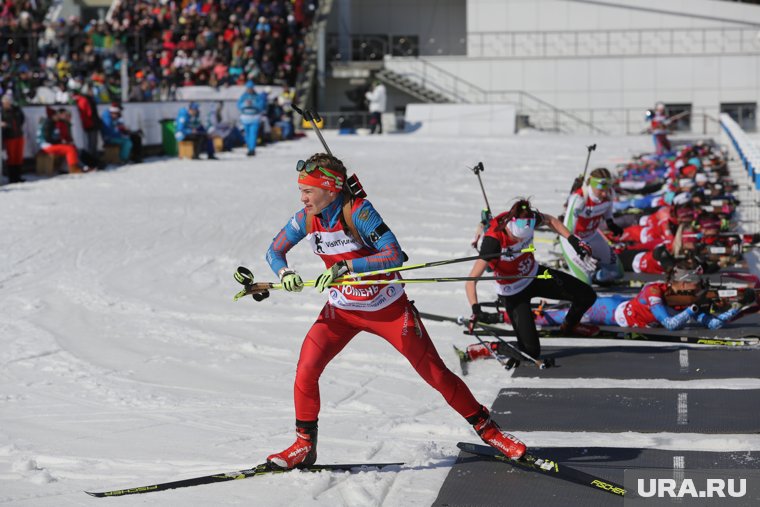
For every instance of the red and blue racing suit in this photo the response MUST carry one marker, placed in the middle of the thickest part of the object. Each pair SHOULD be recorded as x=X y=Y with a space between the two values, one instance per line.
x=383 y=310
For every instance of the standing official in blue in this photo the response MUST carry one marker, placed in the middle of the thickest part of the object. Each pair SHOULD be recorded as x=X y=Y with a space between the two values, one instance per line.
x=189 y=128
x=250 y=117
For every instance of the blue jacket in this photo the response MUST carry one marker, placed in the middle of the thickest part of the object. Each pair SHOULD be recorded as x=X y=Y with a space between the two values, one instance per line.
x=186 y=124
x=245 y=97
x=109 y=127
x=261 y=102
x=386 y=249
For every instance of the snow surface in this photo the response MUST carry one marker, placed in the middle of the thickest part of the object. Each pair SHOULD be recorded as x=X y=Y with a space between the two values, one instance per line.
x=125 y=362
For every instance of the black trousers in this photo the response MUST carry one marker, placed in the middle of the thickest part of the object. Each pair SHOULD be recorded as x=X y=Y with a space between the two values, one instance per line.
x=375 y=122
x=560 y=286
x=136 y=155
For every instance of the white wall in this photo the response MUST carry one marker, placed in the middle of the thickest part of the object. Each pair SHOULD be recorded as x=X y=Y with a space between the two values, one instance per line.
x=544 y=15
x=704 y=81
x=704 y=73
x=456 y=120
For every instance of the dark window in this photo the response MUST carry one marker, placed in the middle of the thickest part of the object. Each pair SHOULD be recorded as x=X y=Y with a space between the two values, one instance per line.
x=743 y=113
x=682 y=114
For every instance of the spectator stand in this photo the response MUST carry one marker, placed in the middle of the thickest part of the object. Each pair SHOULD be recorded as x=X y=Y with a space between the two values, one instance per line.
x=165 y=46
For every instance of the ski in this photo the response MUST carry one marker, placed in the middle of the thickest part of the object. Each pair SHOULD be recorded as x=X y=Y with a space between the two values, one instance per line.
x=545 y=466
x=462 y=356
x=639 y=334
x=622 y=333
x=263 y=469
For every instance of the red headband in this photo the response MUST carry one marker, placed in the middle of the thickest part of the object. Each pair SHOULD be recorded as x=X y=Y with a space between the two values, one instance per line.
x=318 y=179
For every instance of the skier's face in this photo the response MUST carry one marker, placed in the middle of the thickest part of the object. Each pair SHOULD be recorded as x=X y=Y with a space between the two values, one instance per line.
x=600 y=194
x=600 y=188
x=315 y=199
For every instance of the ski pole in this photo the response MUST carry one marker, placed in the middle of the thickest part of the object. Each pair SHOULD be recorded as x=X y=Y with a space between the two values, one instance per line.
x=485 y=215
x=432 y=264
x=590 y=148
x=313 y=117
x=493 y=353
x=488 y=328
x=542 y=364
x=258 y=287
x=543 y=276
x=477 y=170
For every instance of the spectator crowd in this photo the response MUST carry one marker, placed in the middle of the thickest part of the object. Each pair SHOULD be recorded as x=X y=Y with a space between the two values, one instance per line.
x=167 y=43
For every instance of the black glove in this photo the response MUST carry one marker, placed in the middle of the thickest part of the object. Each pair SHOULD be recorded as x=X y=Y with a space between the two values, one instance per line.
x=661 y=255
x=478 y=315
x=581 y=248
x=703 y=303
x=614 y=228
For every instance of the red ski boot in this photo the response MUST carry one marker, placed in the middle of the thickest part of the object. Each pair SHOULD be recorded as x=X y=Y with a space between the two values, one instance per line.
x=302 y=453
x=480 y=350
x=491 y=434
x=584 y=330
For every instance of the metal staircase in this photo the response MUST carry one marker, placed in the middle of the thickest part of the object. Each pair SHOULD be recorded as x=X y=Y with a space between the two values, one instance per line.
x=419 y=74
x=411 y=87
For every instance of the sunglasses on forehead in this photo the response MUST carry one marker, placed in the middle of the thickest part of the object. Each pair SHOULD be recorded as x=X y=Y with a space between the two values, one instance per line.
x=310 y=167
x=600 y=183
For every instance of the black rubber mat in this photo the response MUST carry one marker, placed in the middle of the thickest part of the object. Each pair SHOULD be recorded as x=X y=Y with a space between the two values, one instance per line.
x=474 y=482
x=638 y=410
x=672 y=363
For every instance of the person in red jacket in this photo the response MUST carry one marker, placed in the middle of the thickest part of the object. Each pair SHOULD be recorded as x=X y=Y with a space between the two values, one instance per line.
x=88 y=113
x=508 y=236
x=13 y=138
x=363 y=244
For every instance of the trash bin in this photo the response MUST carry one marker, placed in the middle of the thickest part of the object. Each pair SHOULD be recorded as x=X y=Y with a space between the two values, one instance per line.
x=169 y=142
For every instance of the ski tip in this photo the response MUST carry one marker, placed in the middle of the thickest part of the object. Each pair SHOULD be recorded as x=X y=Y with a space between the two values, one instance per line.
x=97 y=495
x=466 y=446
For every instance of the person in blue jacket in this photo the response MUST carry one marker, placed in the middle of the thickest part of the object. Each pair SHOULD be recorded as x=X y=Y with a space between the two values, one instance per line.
x=113 y=134
x=190 y=128
x=250 y=117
